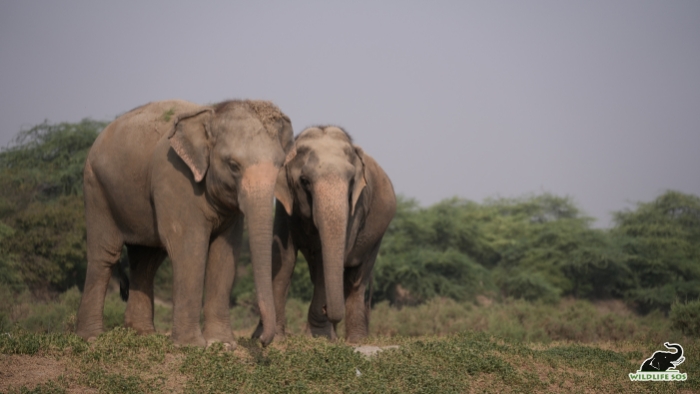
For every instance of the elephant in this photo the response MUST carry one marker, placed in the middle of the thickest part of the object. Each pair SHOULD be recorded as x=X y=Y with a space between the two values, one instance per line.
x=176 y=178
x=662 y=361
x=335 y=204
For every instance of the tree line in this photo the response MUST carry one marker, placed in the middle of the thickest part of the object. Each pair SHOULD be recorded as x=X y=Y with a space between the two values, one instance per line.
x=538 y=248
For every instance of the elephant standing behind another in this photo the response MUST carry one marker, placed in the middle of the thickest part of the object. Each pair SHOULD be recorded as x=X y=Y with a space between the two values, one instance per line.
x=175 y=177
x=335 y=203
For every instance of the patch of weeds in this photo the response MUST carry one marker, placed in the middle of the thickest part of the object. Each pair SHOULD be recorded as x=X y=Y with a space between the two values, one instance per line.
x=115 y=382
x=125 y=345
x=307 y=365
x=633 y=355
x=56 y=316
x=587 y=357
x=519 y=320
x=470 y=353
x=120 y=361
x=24 y=342
x=212 y=370
x=686 y=317
x=20 y=342
x=43 y=388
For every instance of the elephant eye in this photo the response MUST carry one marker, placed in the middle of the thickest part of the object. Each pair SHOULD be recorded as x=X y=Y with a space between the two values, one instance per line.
x=234 y=167
x=304 y=181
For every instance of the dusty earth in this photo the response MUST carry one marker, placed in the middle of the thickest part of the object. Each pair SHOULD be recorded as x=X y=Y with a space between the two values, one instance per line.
x=29 y=371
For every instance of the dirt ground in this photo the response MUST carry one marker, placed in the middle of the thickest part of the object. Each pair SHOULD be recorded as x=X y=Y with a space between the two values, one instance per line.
x=29 y=371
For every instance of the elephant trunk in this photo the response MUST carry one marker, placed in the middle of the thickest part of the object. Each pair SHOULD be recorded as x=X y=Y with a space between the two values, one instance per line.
x=679 y=351
x=331 y=218
x=255 y=199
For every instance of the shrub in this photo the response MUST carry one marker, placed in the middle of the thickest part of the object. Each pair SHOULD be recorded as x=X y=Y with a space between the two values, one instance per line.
x=686 y=317
x=530 y=286
x=56 y=316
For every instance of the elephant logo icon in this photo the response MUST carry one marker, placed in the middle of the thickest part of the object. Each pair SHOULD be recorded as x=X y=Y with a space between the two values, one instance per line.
x=662 y=361
x=662 y=365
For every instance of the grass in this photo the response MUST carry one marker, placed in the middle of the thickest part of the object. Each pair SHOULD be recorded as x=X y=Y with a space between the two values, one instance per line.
x=121 y=361
x=443 y=346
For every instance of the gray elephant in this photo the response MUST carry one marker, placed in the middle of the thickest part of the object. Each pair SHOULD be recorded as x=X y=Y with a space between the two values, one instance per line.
x=335 y=204
x=177 y=178
x=662 y=361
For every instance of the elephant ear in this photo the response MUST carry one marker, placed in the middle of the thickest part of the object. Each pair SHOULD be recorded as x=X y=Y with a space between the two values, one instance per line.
x=360 y=180
x=189 y=138
x=283 y=191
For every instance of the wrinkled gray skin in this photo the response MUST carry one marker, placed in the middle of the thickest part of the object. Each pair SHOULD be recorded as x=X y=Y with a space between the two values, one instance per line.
x=338 y=205
x=662 y=361
x=176 y=178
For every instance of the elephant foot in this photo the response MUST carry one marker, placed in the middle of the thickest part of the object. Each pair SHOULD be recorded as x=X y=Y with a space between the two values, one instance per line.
x=141 y=329
x=228 y=346
x=224 y=336
x=193 y=340
x=355 y=339
x=280 y=333
x=90 y=335
x=325 y=330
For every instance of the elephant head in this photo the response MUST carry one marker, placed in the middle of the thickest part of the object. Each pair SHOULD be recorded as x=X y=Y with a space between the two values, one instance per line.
x=323 y=184
x=236 y=148
x=662 y=361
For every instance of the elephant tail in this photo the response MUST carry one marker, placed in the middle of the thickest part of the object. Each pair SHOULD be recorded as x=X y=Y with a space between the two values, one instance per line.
x=123 y=277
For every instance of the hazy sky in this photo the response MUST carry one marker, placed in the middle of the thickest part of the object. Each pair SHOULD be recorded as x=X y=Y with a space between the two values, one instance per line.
x=597 y=100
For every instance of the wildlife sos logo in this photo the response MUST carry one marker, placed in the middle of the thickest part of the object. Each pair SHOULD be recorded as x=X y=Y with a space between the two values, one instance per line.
x=661 y=366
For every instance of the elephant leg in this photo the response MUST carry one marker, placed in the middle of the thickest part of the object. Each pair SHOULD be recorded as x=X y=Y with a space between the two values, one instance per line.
x=143 y=262
x=224 y=252
x=318 y=323
x=356 y=310
x=104 y=247
x=187 y=246
x=284 y=256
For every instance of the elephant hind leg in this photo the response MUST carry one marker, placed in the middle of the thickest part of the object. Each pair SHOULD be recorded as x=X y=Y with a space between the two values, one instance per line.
x=104 y=246
x=143 y=264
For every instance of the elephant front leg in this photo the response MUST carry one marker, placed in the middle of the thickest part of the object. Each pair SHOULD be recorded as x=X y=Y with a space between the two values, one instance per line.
x=224 y=252
x=356 y=314
x=356 y=309
x=143 y=262
x=318 y=323
x=188 y=252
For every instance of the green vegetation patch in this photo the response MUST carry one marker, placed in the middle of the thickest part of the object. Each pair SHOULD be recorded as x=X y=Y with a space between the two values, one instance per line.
x=24 y=342
x=43 y=388
x=686 y=317
x=585 y=356
x=121 y=361
x=167 y=115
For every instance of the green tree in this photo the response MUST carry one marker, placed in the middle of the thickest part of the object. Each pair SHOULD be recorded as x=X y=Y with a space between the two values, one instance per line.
x=537 y=247
x=662 y=247
x=41 y=208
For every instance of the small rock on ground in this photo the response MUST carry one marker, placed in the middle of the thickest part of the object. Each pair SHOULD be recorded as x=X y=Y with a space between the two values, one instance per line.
x=369 y=350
